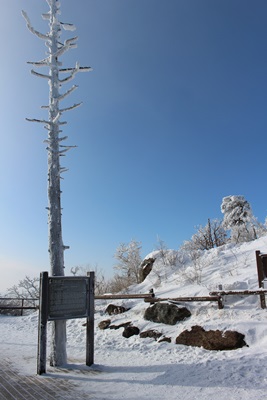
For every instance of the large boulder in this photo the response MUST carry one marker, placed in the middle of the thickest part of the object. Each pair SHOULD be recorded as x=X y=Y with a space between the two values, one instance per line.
x=146 y=267
x=165 y=313
x=211 y=340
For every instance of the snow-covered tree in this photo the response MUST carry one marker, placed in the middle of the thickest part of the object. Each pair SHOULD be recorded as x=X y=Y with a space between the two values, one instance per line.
x=129 y=261
x=55 y=148
x=209 y=236
x=101 y=284
x=26 y=288
x=239 y=218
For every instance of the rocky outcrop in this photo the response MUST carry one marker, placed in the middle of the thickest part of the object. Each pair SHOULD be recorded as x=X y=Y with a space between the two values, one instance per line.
x=113 y=309
x=146 y=268
x=211 y=340
x=165 y=313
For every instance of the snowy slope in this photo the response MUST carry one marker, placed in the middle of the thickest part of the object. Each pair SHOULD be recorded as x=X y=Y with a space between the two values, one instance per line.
x=145 y=369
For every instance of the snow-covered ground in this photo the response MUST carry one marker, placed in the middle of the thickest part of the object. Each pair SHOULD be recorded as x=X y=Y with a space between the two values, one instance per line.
x=145 y=369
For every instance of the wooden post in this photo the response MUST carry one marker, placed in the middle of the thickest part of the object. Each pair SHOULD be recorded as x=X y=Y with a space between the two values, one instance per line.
x=220 y=303
x=22 y=305
x=264 y=265
x=260 y=277
x=90 y=321
x=42 y=324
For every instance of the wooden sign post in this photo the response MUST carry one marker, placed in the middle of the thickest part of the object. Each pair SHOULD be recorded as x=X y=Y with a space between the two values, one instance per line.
x=64 y=298
x=261 y=260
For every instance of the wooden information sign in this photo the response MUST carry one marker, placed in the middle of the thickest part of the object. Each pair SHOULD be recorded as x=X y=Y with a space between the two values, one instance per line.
x=65 y=298
x=68 y=298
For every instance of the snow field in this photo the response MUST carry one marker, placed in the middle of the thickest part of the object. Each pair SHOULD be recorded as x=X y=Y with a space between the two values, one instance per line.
x=145 y=369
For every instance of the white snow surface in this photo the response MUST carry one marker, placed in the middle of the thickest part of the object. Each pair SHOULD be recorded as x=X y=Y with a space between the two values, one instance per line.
x=138 y=368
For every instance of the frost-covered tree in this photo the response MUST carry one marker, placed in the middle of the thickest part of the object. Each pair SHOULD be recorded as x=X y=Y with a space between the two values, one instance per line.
x=26 y=288
x=209 y=236
x=55 y=148
x=101 y=284
x=129 y=261
x=239 y=218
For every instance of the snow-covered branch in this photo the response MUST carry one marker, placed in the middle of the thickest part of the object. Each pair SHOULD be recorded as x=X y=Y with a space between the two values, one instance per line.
x=71 y=107
x=41 y=63
x=63 y=151
x=67 y=93
x=56 y=119
x=44 y=122
x=67 y=26
x=41 y=121
x=74 y=71
x=40 y=75
x=67 y=147
x=81 y=69
x=68 y=44
x=48 y=141
x=31 y=29
x=63 y=138
x=59 y=152
x=46 y=16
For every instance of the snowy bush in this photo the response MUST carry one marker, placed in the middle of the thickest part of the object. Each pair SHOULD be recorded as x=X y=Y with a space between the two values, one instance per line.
x=238 y=218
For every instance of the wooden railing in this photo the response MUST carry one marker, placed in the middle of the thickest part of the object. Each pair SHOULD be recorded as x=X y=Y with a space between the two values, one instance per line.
x=260 y=292
x=216 y=298
x=15 y=303
x=124 y=296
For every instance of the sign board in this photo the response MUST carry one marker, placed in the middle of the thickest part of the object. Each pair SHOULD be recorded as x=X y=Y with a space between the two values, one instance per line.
x=64 y=297
x=67 y=297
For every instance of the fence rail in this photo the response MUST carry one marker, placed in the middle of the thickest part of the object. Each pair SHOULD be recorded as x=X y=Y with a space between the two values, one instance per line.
x=260 y=292
x=218 y=299
x=18 y=307
x=124 y=296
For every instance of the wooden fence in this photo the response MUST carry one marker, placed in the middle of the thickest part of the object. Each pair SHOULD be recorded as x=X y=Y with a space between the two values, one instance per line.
x=14 y=303
x=261 y=293
x=216 y=298
x=125 y=296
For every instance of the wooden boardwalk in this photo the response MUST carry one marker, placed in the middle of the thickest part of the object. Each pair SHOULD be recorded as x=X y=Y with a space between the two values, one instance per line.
x=16 y=386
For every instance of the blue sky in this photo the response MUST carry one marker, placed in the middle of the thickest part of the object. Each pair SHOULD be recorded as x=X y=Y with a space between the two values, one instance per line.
x=173 y=119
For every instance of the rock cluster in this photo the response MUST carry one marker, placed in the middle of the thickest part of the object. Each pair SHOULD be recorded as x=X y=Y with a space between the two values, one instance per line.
x=170 y=314
x=211 y=340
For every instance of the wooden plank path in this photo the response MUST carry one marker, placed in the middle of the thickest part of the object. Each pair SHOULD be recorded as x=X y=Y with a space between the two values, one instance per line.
x=16 y=386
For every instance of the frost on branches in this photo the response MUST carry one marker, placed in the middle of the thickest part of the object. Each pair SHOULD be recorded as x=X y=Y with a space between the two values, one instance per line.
x=56 y=77
x=238 y=217
x=129 y=261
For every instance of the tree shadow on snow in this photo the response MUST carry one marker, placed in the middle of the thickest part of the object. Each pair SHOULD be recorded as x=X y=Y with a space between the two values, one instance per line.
x=209 y=374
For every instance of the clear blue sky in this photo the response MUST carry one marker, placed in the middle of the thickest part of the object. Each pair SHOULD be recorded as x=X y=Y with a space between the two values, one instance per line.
x=174 y=119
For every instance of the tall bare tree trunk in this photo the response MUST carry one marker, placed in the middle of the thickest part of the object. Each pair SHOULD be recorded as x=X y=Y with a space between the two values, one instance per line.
x=58 y=354
x=55 y=150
